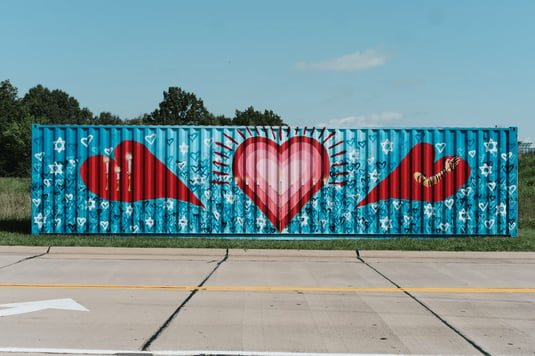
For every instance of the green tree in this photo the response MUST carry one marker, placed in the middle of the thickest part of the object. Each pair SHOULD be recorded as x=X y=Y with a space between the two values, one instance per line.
x=252 y=117
x=222 y=120
x=179 y=108
x=55 y=107
x=138 y=120
x=42 y=106
x=11 y=112
x=107 y=118
x=10 y=106
x=17 y=147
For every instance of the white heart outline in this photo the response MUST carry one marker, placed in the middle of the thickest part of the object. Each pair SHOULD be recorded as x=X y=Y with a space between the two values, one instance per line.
x=150 y=138
x=86 y=140
x=440 y=146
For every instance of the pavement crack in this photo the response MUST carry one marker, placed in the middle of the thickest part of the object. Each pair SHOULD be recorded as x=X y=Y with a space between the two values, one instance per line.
x=27 y=259
x=454 y=329
x=153 y=338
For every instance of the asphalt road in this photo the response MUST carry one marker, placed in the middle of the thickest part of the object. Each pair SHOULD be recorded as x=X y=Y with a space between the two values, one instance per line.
x=98 y=301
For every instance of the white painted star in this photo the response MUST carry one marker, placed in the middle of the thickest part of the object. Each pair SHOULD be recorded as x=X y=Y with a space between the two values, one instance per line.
x=429 y=210
x=59 y=145
x=491 y=146
x=90 y=204
x=303 y=220
x=486 y=170
x=374 y=175
x=353 y=156
x=40 y=220
x=168 y=204
x=149 y=222
x=387 y=146
x=386 y=223
x=197 y=179
x=229 y=197
x=184 y=148
x=464 y=216
x=56 y=168
x=183 y=222
x=501 y=209
x=129 y=210
x=260 y=222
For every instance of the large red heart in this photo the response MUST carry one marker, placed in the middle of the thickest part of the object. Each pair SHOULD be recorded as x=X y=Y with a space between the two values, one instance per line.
x=401 y=183
x=280 y=179
x=135 y=174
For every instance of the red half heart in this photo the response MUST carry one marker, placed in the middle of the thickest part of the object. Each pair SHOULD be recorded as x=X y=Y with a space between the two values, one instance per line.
x=401 y=184
x=280 y=179
x=135 y=174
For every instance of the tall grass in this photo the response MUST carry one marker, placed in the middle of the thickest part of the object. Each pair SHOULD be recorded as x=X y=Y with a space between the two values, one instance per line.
x=15 y=198
x=526 y=191
x=15 y=205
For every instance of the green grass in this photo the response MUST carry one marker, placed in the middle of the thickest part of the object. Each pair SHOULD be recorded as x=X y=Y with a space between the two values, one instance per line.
x=15 y=212
x=15 y=208
x=14 y=198
x=524 y=242
x=526 y=191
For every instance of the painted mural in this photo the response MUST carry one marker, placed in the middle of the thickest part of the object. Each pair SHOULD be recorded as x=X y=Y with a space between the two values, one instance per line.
x=274 y=182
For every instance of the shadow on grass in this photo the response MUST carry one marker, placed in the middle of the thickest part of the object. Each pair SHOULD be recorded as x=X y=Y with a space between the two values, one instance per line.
x=22 y=226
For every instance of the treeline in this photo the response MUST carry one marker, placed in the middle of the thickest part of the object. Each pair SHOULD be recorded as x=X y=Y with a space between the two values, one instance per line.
x=41 y=105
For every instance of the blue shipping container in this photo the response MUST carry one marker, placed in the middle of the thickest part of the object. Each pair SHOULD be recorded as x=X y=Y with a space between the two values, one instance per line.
x=274 y=182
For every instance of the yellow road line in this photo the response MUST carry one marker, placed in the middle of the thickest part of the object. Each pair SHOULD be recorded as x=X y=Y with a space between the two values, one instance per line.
x=272 y=289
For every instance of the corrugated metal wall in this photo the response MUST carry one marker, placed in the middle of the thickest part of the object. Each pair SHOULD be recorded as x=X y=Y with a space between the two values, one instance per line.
x=272 y=182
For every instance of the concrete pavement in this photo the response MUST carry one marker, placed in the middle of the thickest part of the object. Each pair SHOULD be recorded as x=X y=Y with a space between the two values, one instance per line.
x=236 y=302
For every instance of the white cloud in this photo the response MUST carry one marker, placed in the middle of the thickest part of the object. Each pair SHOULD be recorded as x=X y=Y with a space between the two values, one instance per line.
x=386 y=118
x=370 y=58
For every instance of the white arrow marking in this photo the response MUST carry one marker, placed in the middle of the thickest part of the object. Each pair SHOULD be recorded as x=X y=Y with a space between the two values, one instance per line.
x=29 y=307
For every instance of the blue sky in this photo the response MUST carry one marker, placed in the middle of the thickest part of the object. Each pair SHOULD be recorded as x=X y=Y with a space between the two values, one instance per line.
x=339 y=63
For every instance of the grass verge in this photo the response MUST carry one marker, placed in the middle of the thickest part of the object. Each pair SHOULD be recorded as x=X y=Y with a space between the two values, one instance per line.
x=524 y=242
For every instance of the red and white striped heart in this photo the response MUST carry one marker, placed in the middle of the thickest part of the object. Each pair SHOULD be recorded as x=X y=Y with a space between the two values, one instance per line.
x=280 y=179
